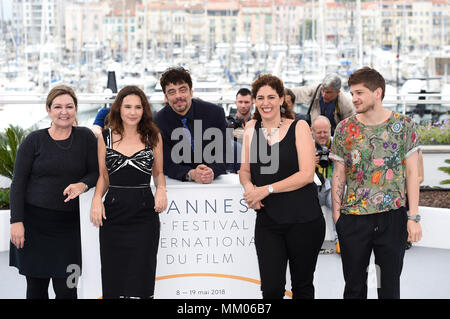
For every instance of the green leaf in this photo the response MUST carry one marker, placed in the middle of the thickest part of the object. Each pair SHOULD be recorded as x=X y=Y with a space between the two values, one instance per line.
x=9 y=143
x=444 y=169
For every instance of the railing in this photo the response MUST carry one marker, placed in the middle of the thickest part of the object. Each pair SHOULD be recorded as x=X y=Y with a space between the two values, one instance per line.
x=398 y=102
x=410 y=98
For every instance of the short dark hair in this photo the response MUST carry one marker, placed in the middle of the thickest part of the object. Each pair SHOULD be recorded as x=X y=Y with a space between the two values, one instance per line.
x=368 y=77
x=175 y=75
x=243 y=92
x=290 y=93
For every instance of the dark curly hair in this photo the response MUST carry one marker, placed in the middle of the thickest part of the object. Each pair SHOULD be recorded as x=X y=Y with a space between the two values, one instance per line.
x=146 y=127
x=175 y=75
x=276 y=84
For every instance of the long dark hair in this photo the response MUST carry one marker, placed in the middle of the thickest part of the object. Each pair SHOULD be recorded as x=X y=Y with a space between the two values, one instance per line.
x=276 y=84
x=146 y=127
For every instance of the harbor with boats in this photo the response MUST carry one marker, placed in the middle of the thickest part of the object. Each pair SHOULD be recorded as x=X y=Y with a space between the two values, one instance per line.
x=225 y=45
x=425 y=98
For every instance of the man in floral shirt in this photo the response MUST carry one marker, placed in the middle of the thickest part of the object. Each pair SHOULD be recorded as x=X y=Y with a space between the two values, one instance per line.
x=375 y=154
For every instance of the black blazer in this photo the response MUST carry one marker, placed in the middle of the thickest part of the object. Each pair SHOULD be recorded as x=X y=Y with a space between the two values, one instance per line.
x=211 y=116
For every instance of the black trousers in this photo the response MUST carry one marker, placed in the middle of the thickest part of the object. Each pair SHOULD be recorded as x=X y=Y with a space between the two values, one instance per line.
x=37 y=288
x=276 y=244
x=385 y=234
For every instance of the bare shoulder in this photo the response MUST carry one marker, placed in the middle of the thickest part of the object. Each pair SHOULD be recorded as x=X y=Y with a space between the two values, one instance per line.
x=302 y=125
x=250 y=124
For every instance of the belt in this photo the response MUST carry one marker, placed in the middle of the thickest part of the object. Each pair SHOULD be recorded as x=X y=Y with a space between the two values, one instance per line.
x=134 y=186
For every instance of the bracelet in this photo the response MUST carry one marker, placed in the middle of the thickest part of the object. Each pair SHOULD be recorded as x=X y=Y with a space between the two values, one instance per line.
x=415 y=217
x=86 y=187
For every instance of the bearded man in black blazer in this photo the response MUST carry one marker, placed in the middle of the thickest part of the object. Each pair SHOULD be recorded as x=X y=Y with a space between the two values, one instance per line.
x=193 y=131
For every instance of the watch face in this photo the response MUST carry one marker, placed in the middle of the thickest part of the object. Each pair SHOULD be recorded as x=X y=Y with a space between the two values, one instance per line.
x=270 y=189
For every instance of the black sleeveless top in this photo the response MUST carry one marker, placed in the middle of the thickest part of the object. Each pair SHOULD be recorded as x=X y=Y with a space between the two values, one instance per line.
x=297 y=206
x=128 y=171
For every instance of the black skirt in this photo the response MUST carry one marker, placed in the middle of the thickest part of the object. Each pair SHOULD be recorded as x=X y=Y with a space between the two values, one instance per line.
x=129 y=243
x=52 y=243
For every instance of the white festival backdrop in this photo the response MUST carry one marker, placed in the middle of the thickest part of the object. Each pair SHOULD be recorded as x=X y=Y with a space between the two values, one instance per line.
x=206 y=247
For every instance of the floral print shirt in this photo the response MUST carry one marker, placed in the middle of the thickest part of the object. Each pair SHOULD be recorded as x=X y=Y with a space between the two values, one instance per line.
x=375 y=162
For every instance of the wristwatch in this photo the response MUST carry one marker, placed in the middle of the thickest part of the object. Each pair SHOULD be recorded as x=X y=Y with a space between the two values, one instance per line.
x=187 y=177
x=415 y=218
x=270 y=189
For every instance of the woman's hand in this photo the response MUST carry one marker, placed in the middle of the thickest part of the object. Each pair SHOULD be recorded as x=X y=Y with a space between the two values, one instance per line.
x=257 y=206
x=74 y=190
x=18 y=234
x=254 y=195
x=97 y=211
x=160 y=199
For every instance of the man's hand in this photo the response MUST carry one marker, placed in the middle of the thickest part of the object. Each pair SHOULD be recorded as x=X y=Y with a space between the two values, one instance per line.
x=414 y=231
x=202 y=174
x=317 y=159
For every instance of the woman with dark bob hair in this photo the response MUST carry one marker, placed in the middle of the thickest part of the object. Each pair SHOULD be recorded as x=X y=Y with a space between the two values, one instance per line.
x=53 y=167
x=277 y=173
x=129 y=153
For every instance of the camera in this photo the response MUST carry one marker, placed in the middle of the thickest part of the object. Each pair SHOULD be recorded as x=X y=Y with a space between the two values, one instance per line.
x=323 y=152
x=235 y=122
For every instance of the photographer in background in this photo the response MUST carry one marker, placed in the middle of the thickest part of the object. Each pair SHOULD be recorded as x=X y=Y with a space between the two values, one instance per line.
x=289 y=99
x=321 y=131
x=244 y=106
x=237 y=122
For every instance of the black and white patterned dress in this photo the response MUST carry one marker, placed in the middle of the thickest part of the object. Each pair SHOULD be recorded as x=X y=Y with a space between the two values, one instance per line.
x=130 y=234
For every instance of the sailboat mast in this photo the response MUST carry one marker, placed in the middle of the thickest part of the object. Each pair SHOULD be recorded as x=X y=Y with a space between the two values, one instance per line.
x=360 y=38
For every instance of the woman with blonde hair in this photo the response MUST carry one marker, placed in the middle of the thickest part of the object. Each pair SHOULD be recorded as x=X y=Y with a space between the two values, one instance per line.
x=129 y=154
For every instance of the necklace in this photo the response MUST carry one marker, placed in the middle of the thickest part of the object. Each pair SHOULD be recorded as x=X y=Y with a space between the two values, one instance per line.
x=274 y=130
x=60 y=143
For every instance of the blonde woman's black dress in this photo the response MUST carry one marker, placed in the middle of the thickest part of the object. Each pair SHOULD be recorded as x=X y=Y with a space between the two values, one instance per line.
x=130 y=234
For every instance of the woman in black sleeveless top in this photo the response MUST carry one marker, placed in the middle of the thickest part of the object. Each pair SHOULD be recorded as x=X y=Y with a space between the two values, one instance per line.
x=277 y=173
x=129 y=153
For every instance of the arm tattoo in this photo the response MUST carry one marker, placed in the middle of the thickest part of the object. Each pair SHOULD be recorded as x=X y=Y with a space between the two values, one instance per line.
x=340 y=190
x=338 y=187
